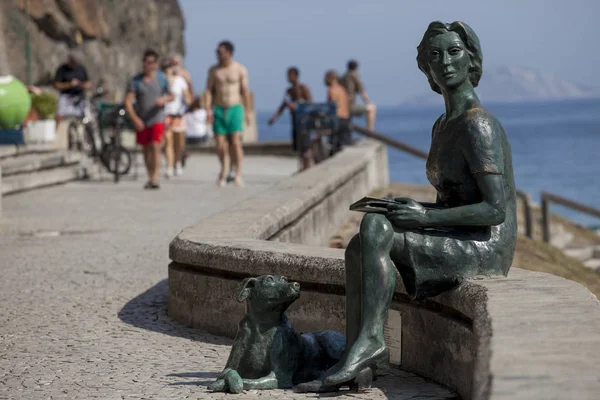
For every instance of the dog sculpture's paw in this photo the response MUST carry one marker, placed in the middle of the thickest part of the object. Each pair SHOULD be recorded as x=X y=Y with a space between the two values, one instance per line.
x=230 y=382
x=218 y=386
x=234 y=382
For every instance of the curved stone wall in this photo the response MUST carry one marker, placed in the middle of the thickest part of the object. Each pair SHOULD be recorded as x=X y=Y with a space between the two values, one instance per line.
x=529 y=336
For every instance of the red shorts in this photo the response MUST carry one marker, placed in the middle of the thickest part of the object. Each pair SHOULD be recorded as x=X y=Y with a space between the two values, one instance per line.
x=153 y=133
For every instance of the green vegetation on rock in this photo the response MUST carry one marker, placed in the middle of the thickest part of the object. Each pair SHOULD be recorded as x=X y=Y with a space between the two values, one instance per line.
x=45 y=105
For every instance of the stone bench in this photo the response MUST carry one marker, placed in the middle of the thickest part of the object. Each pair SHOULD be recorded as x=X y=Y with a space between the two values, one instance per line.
x=529 y=336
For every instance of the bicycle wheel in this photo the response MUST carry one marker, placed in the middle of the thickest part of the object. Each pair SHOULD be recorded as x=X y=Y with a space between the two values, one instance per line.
x=72 y=135
x=89 y=141
x=118 y=160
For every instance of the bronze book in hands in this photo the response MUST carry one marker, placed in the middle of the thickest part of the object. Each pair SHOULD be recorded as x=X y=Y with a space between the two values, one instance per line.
x=372 y=205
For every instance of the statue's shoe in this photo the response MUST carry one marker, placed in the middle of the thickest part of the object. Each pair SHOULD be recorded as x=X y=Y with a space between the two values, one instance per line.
x=362 y=382
x=378 y=361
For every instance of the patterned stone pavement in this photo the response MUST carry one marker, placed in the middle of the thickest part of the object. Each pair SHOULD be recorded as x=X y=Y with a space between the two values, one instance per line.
x=83 y=292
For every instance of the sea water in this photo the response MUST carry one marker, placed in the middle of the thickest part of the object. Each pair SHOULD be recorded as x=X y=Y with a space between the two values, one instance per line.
x=555 y=146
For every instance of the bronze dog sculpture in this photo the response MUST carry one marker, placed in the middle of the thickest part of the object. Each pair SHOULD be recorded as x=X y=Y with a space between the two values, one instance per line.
x=268 y=353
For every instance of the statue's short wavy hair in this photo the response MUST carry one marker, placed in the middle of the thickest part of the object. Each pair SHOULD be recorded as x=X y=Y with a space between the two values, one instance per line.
x=469 y=38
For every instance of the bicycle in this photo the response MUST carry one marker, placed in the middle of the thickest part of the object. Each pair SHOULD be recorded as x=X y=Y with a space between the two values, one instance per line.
x=105 y=147
x=321 y=118
x=77 y=140
x=113 y=155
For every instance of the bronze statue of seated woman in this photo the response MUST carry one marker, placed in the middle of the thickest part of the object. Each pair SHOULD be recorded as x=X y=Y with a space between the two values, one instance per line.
x=470 y=230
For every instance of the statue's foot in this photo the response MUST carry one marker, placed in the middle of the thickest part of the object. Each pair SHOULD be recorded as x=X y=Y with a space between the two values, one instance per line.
x=365 y=357
x=316 y=386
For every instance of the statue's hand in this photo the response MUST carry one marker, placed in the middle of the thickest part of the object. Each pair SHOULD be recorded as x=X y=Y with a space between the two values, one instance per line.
x=408 y=213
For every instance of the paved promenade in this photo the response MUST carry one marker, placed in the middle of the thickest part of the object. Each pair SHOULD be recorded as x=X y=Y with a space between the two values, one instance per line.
x=83 y=291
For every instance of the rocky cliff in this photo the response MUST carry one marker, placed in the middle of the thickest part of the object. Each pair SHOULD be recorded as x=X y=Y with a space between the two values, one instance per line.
x=110 y=35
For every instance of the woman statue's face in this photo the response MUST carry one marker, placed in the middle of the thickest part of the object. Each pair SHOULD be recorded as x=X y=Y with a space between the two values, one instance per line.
x=448 y=60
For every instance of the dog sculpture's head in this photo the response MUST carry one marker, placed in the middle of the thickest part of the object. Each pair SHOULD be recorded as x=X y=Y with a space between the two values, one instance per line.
x=268 y=293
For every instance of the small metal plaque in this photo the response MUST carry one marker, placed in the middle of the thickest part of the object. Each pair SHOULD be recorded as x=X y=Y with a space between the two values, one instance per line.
x=393 y=336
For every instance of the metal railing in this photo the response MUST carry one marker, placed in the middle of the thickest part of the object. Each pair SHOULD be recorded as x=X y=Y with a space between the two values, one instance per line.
x=389 y=141
x=547 y=198
x=528 y=215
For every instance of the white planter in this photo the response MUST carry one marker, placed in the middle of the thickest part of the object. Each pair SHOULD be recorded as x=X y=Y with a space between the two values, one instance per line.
x=42 y=131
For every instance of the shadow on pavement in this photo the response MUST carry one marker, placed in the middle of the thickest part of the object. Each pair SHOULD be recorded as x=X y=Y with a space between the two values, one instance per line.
x=209 y=377
x=149 y=311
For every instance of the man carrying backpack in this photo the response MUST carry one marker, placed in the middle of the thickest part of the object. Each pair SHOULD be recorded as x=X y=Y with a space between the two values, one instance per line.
x=150 y=91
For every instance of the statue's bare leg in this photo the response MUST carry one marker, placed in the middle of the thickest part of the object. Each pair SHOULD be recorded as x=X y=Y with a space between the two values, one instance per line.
x=353 y=291
x=378 y=279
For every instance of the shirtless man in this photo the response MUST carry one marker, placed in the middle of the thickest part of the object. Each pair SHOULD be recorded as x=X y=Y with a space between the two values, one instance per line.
x=337 y=94
x=228 y=106
x=297 y=92
x=353 y=85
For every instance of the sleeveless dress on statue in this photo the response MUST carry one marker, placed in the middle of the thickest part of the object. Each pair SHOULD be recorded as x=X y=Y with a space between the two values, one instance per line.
x=434 y=260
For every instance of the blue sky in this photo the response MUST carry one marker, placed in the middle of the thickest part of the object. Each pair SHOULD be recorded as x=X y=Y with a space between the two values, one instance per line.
x=553 y=36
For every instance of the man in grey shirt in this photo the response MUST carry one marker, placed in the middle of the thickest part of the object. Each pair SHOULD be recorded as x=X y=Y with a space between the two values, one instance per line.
x=150 y=92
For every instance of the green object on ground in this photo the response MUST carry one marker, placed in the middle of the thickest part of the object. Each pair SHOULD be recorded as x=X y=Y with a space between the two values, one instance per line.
x=14 y=102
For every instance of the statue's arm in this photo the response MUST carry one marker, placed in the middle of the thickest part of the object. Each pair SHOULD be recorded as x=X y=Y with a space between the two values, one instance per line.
x=436 y=205
x=490 y=211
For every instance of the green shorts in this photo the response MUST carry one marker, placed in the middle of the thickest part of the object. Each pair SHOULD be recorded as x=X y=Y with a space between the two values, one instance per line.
x=228 y=120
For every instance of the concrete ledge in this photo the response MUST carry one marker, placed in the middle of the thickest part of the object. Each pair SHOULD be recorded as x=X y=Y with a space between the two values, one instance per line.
x=304 y=208
x=531 y=335
x=528 y=336
x=13 y=150
x=42 y=178
x=35 y=161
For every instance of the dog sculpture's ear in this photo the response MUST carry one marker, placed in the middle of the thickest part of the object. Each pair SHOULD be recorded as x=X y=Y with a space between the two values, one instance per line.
x=245 y=289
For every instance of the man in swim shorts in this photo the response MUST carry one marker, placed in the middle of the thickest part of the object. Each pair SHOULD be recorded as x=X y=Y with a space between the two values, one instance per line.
x=228 y=105
x=341 y=137
x=354 y=86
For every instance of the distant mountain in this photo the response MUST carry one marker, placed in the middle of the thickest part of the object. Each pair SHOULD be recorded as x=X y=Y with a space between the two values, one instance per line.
x=514 y=84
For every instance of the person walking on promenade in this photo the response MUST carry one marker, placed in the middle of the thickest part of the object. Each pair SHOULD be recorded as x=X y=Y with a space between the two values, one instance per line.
x=353 y=85
x=179 y=69
x=150 y=91
x=71 y=80
x=336 y=93
x=228 y=106
x=297 y=93
x=174 y=110
x=196 y=122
